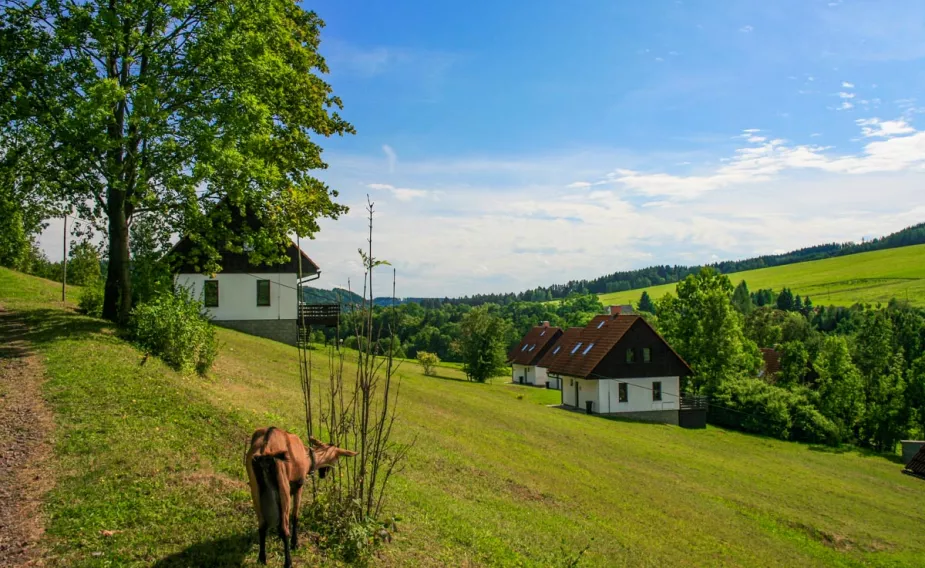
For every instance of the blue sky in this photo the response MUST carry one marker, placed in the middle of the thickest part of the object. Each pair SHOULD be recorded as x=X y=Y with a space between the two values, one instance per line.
x=515 y=144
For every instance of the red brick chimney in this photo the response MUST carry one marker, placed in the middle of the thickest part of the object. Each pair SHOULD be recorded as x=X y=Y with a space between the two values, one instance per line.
x=615 y=310
x=545 y=324
x=624 y=310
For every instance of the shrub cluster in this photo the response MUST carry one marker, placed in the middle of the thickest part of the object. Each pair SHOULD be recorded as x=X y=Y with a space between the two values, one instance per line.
x=90 y=300
x=173 y=326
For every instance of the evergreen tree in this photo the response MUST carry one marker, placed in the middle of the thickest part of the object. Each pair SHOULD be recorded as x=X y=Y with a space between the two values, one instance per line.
x=645 y=303
x=742 y=299
x=785 y=300
x=807 y=305
x=798 y=304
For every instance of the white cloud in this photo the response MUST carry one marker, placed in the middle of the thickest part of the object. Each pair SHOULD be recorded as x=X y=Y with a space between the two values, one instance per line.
x=578 y=184
x=400 y=193
x=846 y=106
x=391 y=156
x=847 y=85
x=770 y=159
x=875 y=128
x=746 y=29
x=659 y=59
x=846 y=95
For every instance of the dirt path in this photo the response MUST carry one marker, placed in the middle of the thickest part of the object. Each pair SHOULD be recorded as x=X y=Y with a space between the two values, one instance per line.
x=25 y=445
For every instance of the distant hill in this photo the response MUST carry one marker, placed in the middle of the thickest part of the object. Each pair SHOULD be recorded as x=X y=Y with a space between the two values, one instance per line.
x=312 y=295
x=867 y=277
x=662 y=275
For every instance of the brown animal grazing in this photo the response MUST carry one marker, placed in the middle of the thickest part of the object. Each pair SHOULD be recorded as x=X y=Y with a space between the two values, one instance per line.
x=277 y=464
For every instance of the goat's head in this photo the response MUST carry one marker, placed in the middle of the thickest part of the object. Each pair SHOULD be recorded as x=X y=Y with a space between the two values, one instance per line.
x=326 y=455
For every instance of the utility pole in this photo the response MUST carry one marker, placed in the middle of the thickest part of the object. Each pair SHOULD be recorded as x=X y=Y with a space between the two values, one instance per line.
x=64 y=274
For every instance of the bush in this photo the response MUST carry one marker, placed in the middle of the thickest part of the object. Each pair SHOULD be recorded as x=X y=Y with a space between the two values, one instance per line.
x=174 y=327
x=90 y=301
x=428 y=361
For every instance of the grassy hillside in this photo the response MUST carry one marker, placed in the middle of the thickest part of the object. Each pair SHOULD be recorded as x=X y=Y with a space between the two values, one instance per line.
x=496 y=477
x=868 y=277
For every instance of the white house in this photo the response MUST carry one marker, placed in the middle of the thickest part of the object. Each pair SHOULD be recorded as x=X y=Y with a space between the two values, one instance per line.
x=619 y=365
x=257 y=299
x=524 y=357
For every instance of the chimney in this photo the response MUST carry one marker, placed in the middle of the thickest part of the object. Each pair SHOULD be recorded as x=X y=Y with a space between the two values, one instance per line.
x=624 y=310
x=545 y=324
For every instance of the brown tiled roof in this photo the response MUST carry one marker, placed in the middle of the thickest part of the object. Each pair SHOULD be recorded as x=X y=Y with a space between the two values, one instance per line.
x=771 y=362
x=602 y=333
x=917 y=465
x=557 y=350
x=532 y=347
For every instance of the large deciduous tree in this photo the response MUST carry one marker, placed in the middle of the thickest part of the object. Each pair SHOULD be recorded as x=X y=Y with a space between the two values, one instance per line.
x=702 y=325
x=482 y=344
x=166 y=107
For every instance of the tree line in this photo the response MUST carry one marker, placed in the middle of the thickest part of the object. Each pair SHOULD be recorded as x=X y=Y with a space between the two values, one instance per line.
x=852 y=374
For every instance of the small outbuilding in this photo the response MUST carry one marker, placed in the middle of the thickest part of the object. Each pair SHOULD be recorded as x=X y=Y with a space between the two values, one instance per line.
x=524 y=357
x=619 y=365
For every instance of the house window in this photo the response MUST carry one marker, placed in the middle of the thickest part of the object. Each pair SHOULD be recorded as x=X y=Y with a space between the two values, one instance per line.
x=588 y=348
x=210 y=293
x=623 y=392
x=600 y=325
x=524 y=348
x=646 y=355
x=556 y=350
x=576 y=348
x=657 y=390
x=544 y=333
x=263 y=292
x=630 y=355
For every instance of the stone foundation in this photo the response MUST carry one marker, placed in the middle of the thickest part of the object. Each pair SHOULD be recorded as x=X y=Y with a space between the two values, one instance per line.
x=660 y=416
x=282 y=330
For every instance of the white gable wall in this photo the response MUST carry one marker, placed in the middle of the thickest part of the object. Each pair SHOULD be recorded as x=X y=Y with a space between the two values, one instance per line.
x=237 y=295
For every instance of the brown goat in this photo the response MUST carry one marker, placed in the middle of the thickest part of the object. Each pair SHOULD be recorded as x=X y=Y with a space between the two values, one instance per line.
x=277 y=465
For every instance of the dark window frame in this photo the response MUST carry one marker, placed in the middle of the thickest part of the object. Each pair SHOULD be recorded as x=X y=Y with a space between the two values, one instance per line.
x=657 y=391
x=205 y=293
x=269 y=294
x=623 y=392
x=630 y=356
x=646 y=355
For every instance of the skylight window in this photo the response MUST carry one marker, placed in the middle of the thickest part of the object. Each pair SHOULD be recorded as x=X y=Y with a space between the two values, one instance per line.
x=600 y=325
x=556 y=350
x=524 y=348
x=576 y=348
x=532 y=347
x=544 y=333
x=588 y=348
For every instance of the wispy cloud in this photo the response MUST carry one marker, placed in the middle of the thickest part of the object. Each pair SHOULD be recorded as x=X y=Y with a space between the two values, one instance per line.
x=847 y=85
x=400 y=193
x=846 y=106
x=875 y=128
x=746 y=29
x=391 y=156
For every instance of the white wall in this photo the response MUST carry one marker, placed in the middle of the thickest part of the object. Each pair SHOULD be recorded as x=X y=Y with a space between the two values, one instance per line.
x=587 y=390
x=518 y=371
x=639 y=395
x=605 y=394
x=237 y=295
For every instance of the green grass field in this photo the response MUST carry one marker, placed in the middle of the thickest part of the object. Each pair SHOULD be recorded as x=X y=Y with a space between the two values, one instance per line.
x=868 y=277
x=496 y=477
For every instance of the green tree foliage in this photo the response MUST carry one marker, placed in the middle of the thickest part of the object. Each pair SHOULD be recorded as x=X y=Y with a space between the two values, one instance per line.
x=764 y=326
x=646 y=304
x=742 y=299
x=165 y=107
x=482 y=344
x=174 y=327
x=794 y=358
x=83 y=268
x=882 y=370
x=428 y=362
x=702 y=325
x=14 y=244
x=785 y=301
x=915 y=394
x=839 y=386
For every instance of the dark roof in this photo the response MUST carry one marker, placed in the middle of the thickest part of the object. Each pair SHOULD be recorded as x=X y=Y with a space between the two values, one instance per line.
x=237 y=262
x=771 y=362
x=185 y=258
x=917 y=465
x=555 y=351
x=534 y=345
x=602 y=333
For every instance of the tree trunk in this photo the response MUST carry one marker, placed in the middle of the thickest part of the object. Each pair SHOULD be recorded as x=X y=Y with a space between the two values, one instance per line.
x=117 y=301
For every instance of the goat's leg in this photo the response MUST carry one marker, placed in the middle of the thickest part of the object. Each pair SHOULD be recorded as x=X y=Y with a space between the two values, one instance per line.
x=262 y=557
x=296 y=501
x=284 y=537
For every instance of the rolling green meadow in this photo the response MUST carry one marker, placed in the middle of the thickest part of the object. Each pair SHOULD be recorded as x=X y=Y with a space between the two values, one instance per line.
x=496 y=477
x=868 y=277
